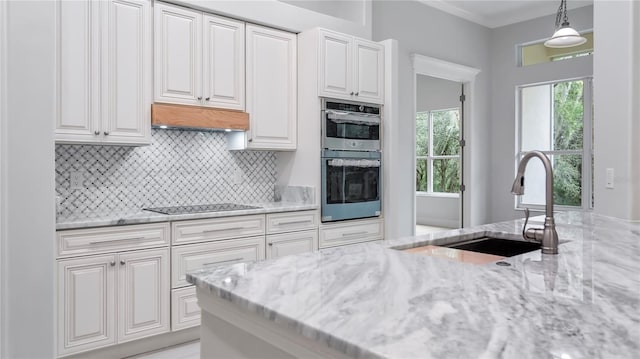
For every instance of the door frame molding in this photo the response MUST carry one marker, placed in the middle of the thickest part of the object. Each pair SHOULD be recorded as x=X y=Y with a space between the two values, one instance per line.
x=430 y=66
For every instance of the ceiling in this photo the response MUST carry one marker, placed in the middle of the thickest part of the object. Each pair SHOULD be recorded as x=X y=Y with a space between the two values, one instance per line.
x=499 y=13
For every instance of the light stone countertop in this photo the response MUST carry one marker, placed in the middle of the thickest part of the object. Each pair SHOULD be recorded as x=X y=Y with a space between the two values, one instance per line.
x=370 y=300
x=140 y=216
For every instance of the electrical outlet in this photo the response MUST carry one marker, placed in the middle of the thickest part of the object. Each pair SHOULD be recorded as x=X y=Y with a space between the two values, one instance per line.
x=609 y=178
x=76 y=179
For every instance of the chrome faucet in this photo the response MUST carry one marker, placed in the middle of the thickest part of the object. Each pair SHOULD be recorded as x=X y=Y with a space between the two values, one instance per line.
x=547 y=235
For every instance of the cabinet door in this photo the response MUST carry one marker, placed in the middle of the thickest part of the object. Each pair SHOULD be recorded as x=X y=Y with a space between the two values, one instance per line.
x=143 y=294
x=78 y=118
x=178 y=54
x=127 y=72
x=223 y=63
x=185 y=312
x=279 y=245
x=369 y=71
x=271 y=88
x=336 y=65
x=86 y=303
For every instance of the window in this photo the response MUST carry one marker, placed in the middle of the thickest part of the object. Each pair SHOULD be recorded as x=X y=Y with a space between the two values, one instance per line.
x=438 y=151
x=556 y=119
x=537 y=53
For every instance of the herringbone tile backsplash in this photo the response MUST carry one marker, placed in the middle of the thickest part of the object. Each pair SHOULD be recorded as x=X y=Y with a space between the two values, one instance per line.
x=178 y=168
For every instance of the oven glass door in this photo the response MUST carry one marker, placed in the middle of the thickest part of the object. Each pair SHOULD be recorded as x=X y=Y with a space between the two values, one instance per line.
x=351 y=188
x=351 y=131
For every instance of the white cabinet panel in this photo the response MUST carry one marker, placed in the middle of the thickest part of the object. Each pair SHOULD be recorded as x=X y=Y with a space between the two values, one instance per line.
x=348 y=232
x=350 y=68
x=188 y=258
x=271 y=88
x=336 y=62
x=143 y=282
x=86 y=303
x=291 y=221
x=77 y=61
x=185 y=312
x=178 y=54
x=223 y=62
x=369 y=73
x=104 y=72
x=128 y=73
x=279 y=245
x=214 y=229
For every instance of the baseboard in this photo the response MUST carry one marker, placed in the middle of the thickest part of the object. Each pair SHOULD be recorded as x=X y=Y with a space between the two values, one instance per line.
x=141 y=346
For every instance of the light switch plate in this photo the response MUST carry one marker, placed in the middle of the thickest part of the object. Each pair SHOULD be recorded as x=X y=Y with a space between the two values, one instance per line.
x=609 y=178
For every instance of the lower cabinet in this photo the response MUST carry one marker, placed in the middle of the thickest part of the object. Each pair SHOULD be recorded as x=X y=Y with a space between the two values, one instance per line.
x=279 y=245
x=185 y=312
x=114 y=298
x=349 y=232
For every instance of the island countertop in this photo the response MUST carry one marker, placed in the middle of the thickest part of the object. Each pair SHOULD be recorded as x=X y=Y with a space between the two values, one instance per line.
x=371 y=300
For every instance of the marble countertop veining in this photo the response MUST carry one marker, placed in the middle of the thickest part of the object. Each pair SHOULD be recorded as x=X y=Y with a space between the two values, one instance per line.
x=370 y=300
x=141 y=216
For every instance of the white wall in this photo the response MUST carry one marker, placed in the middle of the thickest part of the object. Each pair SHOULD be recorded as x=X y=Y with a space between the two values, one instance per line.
x=635 y=174
x=29 y=181
x=289 y=17
x=3 y=122
x=436 y=209
x=614 y=137
x=507 y=76
x=424 y=30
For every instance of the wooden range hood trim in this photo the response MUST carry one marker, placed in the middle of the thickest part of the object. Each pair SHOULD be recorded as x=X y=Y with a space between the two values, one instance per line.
x=171 y=115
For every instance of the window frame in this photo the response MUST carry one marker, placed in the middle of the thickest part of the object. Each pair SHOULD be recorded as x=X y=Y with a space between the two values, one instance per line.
x=430 y=157
x=587 y=151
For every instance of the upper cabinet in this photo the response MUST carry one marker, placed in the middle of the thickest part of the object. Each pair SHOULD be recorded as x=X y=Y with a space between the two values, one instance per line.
x=199 y=58
x=271 y=88
x=350 y=68
x=104 y=72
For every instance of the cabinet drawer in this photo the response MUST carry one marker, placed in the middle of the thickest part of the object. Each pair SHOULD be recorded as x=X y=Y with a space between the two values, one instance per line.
x=185 y=312
x=332 y=235
x=291 y=221
x=279 y=245
x=109 y=239
x=215 y=229
x=193 y=257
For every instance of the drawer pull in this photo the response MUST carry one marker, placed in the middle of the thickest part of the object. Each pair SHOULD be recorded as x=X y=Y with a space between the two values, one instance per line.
x=354 y=233
x=293 y=222
x=221 y=262
x=223 y=229
x=118 y=240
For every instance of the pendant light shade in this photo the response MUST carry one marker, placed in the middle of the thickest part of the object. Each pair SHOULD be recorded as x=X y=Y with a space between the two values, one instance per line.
x=565 y=35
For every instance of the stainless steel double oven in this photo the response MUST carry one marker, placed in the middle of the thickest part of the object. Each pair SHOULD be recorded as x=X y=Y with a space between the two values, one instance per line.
x=351 y=160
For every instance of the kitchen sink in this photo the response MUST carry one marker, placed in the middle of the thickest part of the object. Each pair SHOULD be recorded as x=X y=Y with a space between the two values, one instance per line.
x=496 y=246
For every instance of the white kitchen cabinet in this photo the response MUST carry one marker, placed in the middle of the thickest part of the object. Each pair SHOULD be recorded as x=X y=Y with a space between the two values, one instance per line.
x=349 y=232
x=185 y=312
x=199 y=58
x=104 y=72
x=271 y=91
x=284 y=244
x=143 y=285
x=86 y=303
x=113 y=285
x=350 y=68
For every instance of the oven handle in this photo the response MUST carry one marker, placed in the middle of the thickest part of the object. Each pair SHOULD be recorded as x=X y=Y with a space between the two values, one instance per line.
x=339 y=162
x=350 y=117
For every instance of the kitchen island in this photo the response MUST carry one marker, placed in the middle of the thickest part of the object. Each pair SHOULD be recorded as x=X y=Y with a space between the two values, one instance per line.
x=372 y=300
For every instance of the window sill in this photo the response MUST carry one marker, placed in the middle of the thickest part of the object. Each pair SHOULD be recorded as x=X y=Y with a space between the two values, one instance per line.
x=437 y=194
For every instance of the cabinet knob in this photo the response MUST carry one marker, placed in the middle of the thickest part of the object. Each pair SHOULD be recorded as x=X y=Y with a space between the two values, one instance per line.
x=270 y=244
x=106 y=133
x=351 y=93
x=207 y=99
x=199 y=98
x=96 y=132
x=250 y=140
x=357 y=93
x=122 y=263
x=113 y=263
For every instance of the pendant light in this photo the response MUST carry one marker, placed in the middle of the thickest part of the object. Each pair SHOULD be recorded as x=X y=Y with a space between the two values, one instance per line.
x=565 y=35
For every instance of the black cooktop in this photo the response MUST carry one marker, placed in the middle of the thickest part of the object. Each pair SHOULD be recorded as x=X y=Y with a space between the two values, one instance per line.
x=200 y=208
